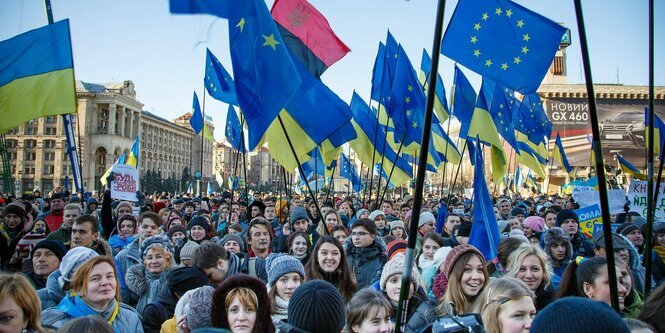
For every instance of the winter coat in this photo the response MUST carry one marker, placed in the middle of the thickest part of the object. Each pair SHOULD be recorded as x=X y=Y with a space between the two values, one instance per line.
x=158 y=311
x=125 y=259
x=425 y=315
x=582 y=246
x=285 y=327
x=63 y=235
x=366 y=263
x=37 y=281
x=145 y=284
x=8 y=243
x=118 y=244
x=169 y=326
x=52 y=294
x=52 y=219
x=126 y=320
x=281 y=307
x=102 y=248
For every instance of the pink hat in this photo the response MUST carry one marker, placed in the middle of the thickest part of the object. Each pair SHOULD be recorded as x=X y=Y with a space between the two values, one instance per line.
x=535 y=223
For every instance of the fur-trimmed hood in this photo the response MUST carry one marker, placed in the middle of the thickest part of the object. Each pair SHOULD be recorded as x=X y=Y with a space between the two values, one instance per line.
x=558 y=235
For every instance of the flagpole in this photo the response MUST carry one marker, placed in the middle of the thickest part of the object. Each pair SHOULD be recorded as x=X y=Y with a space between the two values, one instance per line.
x=391 y=171
x=199 y=189
x=459 y=167
x=348 y=180
x=302 y=172
x=600 y=168
x=420 y=179
x=650 y=188
x=332 y=182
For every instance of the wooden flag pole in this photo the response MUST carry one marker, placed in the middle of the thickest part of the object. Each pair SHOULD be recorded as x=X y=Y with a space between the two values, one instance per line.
x=600 y=168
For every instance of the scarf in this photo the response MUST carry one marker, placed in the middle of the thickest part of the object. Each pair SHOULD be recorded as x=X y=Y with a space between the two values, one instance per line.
x=11 y=233
x=424 y=264
x=76 y=307
x=660 y=251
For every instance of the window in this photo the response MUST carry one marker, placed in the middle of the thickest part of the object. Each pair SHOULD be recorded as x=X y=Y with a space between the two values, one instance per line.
x=65 y=169
x=29 y=170
x=31 y=131
x=11 y=143
x=49 y=156
x=51 y=119
x=30 y=156
x=49 y=143
x=49 y=131
x=29 y=144
x=48 y=169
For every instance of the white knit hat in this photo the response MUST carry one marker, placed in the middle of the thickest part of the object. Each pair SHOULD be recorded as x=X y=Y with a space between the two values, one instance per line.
x=72 y=261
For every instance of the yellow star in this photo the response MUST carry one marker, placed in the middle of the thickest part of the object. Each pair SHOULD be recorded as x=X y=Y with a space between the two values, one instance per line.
x=520 y=24
x=517 y=60
x=477 y=26
x=526 y=37
x=415 y=124
x=504 y=66
x=395 y=55
x=408 y=113
x=485 y=16
x=488 y=62
x=498 y=11
x=509 y=13
x=501 y=121
x=500 y=107
x=474 y=39
x=241 y=24
x=525 y=49
x=270 y=41
x=409 y=88
x=211 y=85
x=407 y=99
x=476 y=53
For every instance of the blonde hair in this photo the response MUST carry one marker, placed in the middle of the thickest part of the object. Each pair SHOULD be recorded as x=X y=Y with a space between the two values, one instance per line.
x=80 y=280
x=246 y=297
x=167 y=255
x=454 y=292
x=517 y=257
x=497 y=293
x=19 y=288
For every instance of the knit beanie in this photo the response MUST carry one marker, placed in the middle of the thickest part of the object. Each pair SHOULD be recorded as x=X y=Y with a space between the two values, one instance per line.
x=317 y=306
x=464 y=229
x=566 y=214
x=233 y=237
x=157 y=206
x=360 y=212
x=184 y=279
x=627 y=227
x=440 y=256
x=125 y=204
x=397 y=224
x=57 y=247
x=28 y=242
x=298 y=213
x=373 y=215
x=201 y=222
x=518 y=234
x=426 y=217
x=535 y=223
x=198 y=311
x=175 y=229
x=617 y=241
x=578 y=315
x=441 y=281
x=279 y=264
x=395 y=247
x=396 y=266
x=15 y=208
x=156 y=241
x=188 y=249
x=72 y=261
x=658 y=227
x=517 y=211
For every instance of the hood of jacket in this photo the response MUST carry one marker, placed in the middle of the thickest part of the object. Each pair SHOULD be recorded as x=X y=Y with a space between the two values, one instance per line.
x=558 y=235
x=53 y=289
x=138 y=279
x=376 y=249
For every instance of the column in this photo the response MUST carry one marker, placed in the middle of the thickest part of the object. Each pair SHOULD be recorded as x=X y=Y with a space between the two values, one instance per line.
x=112 y=120
x=123 y=120
x=131 y=124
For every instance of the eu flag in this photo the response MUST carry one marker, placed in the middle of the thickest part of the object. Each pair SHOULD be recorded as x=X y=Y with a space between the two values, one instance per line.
x=348 y=171
x=218 y=81
x=385 y=74
x=440 y=103
x=485 y=230
x=234 y=133
x=196 y=121
x=463 y=101
x=532 y=120
x=407 y=99
x=503 y=41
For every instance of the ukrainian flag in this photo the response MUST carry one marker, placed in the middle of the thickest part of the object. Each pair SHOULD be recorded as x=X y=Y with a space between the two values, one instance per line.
x=36 y=75
x=630 y=169
x=659 y=137
x=121 y=160
x=560 y=155
x=133 y=158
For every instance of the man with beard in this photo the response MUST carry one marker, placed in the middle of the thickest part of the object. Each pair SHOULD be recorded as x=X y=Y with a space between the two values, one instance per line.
x=634 y=235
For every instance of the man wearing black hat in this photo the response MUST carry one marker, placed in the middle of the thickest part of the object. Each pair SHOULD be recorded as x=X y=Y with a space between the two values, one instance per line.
x=634 y=234
x=46 y=257
x=570 y=223
x=54 y=217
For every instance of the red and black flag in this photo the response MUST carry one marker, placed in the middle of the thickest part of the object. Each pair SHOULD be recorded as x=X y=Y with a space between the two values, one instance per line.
x=308 y=34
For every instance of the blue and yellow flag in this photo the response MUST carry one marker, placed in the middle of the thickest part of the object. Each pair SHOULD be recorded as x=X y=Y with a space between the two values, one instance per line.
x=348 y=171
x=560 y=155
x=36 y=75
x=234 y=132
x=196 y=121
x=440 y=102
x=503 y=41
x=629 y=168
x=658 y=131
x=463 y=101
x=218 y=81
x=121 y=160
x=384 y=70
x=500 y=100
x=530 y=119
x=133 y=157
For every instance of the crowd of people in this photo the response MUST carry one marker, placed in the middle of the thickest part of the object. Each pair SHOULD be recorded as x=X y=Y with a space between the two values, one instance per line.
x=263 y=263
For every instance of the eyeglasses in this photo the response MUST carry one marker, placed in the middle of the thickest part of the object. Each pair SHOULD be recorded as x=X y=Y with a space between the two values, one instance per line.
x=359 y=233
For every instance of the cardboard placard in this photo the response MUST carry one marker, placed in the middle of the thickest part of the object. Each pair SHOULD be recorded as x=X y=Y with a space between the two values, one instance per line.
x=125 y=182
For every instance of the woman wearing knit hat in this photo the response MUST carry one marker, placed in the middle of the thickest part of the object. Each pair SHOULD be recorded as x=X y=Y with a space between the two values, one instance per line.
x=391 y=282
x=126 y=227
x=96 y=291
x=379 y=218
x=148 y=280
x=369 y=312
x=588 y=278
x=177 y=234
x=232 y=243
x=285 y=275
x=315 y=307
x=533 y=224
x=531 y=265
x=397 y=229
x=59 y=282
x=199 y=229
x=328 y=263
x=461 y=280
x=507 y=306
x=11 y=232
x=239 y=305
x=172 y=219
x=299 y=246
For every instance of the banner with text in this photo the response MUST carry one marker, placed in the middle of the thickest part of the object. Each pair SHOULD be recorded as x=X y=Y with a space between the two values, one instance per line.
x=637 y=197
x=589 y=216
x=586 y=196
x=125 y=182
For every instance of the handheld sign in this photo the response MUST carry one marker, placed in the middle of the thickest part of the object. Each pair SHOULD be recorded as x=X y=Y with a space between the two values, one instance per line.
x=125 y=182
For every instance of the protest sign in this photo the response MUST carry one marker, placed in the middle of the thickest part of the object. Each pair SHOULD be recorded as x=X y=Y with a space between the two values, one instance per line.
x=588 y=217
x=586 y=196
x=125 y=182
x=598 y=227
x=637 y=199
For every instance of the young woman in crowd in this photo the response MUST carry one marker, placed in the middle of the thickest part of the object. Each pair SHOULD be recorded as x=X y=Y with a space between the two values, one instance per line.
x=299 y=246
x=126 y=226
x=391 y=283
x=149 y=279
x=532 y=225
x=556 y=243
x=431 y=242
x=369 y=312
x=41 y=225
x=462 y=279
x=285 y=275
x=550 y=218
x=95 y=292
x=506 y=305
x=397 y=229
x=328 y=263
x=590 y=278
x=19 y=305
x=177 y=234
x=340 y=233
x=331 y=219
x=240 y=304
x=633 y=300
x=530 y=265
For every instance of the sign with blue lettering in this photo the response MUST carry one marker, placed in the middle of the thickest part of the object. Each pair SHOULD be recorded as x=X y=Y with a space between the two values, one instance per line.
x=588 y=217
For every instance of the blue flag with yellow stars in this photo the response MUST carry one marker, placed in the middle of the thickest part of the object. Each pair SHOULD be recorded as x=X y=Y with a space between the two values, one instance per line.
x=463 y=101
x=384 y=70
x=234 y=133
x=532 y=120
x=348 y=171
x=196 y=121
x=503 y=41
x=218 y=81
x=407 y=99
